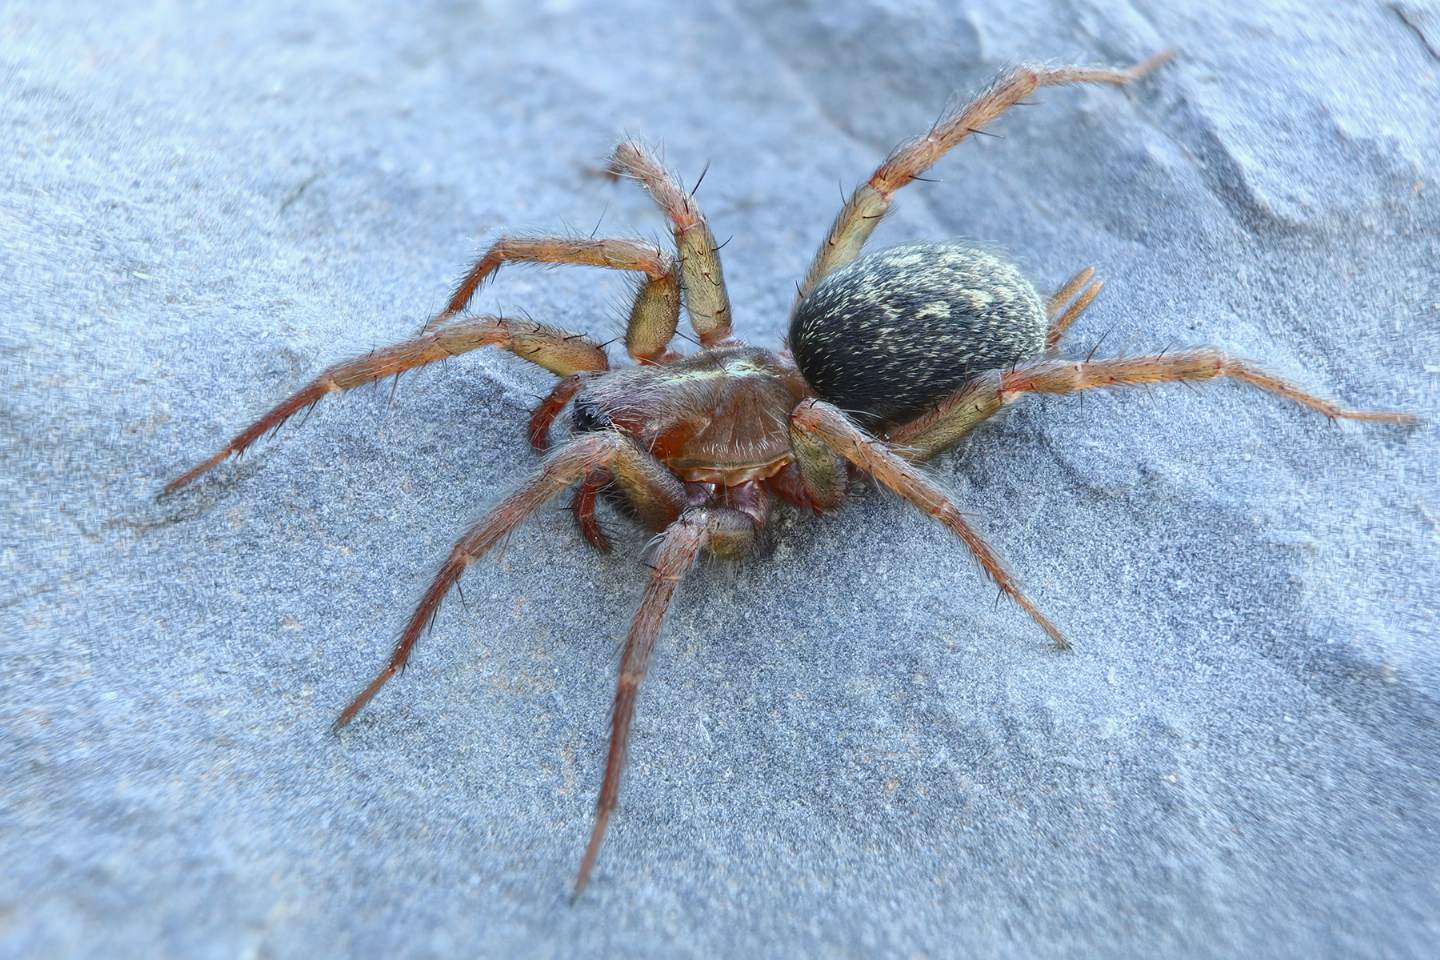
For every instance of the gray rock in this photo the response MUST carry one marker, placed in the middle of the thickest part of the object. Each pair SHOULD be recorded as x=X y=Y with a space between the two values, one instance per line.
x=846 y=748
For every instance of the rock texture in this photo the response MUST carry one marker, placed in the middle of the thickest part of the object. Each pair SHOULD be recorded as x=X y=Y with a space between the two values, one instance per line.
x=846 y=748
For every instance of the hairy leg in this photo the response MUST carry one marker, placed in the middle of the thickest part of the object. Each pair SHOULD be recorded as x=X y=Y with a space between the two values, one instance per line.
x=653 y=497
x=557 y=351
x=560 y=470
x=984 y=396
x=1061 y=316
x=871 y=200
x=656 y=310
x=1069 y=376
x=1060 y=297
x=823 y=477
x=544 y=415
x=828 y=425
x=950 y=420
x=679 y=546
x=705 y=297
x=583 y=508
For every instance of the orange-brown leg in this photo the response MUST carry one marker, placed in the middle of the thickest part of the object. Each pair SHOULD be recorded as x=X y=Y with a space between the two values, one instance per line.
x=544 y=415
x=871 y=200
x=827 y=424
x=1069 y=376
x=1060 y=297
x=949 y=421
x=679 y=546
x=656 y=309
x=822 y=474
x=583 y=508
x=557 y=351
x=705 y=296
x=1062 y=316
x=561 y=469
x=983 y=397
x=653 y=498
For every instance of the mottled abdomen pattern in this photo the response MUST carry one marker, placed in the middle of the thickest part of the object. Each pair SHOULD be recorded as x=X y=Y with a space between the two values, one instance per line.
x=891 y=334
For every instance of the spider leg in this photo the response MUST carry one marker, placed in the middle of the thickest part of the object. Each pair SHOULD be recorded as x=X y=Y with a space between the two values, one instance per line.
x=557 y=351
x=680 y=544
x=583 y=507
x=544 y=415
x=700 y=273
x=823 y=475
x=1204 y=363
x=1060 y=297
x=561 y=469
x=871 y=200
x=829 y=426
x=983 y=397
x=1061 y=317
x=950 y=420
x=654 y=314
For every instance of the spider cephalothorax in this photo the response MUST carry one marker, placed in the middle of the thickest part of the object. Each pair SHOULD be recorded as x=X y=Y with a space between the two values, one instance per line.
x=896 y=356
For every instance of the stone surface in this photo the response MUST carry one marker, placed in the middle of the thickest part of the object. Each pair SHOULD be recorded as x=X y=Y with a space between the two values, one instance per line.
x=846 y=748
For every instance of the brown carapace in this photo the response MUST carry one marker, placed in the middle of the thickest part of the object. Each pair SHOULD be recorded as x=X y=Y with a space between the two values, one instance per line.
x=697 y=447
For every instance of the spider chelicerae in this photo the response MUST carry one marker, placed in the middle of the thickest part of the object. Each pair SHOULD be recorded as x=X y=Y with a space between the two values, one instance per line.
x=892 y=358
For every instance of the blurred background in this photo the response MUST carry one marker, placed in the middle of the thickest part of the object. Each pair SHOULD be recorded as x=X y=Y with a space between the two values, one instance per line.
x=844 y=749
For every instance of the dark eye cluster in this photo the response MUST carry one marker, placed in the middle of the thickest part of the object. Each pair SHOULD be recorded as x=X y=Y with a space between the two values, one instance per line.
x=588 y=416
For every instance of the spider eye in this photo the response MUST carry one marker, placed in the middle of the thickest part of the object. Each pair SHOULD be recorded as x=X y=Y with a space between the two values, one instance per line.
x=588 y=417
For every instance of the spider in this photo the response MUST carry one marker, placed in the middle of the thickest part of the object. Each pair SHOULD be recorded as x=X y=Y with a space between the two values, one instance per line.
x=892 y=358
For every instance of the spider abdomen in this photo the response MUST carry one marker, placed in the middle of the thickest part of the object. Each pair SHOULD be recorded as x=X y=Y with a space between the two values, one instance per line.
x=893 y=333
